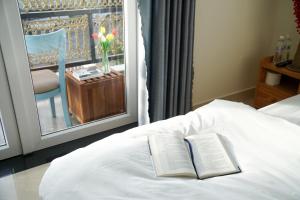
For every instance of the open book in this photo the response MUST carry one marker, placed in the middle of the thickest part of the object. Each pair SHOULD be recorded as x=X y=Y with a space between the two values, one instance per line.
x=87 y=72
x=200 y=156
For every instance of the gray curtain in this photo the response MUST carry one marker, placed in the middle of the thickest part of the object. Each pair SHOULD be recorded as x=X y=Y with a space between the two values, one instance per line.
x=168 y=33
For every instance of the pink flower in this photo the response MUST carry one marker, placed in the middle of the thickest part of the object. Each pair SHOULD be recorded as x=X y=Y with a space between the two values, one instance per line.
x=114 y=31
x=95 y=36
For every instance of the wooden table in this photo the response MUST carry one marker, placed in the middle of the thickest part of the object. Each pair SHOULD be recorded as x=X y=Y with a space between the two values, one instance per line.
x=266 y=94
x=95 y=98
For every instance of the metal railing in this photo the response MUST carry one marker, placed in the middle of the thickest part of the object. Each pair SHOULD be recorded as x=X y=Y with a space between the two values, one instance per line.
x=79 y=24
x=45 y=5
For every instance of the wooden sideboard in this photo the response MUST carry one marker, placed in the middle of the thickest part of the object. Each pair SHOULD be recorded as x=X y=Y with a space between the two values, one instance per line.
x=97 y=97
x=266 y=94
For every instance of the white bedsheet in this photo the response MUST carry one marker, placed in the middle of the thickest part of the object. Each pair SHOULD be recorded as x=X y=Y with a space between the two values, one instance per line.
x=288 y=109
x=119 y=167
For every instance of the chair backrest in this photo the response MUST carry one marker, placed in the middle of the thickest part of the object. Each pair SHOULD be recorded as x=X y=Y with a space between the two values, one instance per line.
x=49 y=42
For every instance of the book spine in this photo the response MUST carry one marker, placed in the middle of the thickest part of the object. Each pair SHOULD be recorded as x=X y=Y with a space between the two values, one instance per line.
x=192 y=156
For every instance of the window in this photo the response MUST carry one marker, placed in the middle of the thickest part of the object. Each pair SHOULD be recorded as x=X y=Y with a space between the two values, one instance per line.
x=39 y=128
x=80 y=18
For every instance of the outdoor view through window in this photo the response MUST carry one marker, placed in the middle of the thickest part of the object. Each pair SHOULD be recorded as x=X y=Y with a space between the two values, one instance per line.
x=76 y=57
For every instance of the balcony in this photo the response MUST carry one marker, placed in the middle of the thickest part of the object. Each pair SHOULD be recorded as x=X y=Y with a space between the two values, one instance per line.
x=79 y=18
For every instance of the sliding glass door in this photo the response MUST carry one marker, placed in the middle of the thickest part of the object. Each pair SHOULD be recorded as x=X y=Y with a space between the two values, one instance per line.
x=9 y=137
x=71 y=67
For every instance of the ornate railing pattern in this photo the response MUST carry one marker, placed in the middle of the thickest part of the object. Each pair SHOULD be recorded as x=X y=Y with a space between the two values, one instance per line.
x=46 y=5
x=78 y=39
x=44 y=58
x=79 y=18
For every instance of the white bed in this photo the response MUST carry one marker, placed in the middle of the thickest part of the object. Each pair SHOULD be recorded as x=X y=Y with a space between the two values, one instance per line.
x=119 y=167
x=288 y=109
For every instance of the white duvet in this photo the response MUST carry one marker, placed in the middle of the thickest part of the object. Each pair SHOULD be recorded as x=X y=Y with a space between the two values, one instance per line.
x=120 y=167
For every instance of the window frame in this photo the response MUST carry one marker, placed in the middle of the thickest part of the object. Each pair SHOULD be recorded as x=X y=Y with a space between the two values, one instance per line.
x=19 y=77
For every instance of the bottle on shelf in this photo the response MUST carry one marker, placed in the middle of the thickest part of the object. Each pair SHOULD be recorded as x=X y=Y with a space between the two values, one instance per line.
x=287 y=49
x=278 y=56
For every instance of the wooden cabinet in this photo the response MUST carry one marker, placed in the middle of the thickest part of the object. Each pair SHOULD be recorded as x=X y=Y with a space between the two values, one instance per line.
x=266 y=94
x=97 y=97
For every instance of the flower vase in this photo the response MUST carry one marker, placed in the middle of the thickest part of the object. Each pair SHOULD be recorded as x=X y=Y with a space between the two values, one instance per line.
x=105 y=62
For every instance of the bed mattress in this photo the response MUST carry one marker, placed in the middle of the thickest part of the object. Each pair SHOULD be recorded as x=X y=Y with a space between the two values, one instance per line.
x=120 y=167
x=288 y=109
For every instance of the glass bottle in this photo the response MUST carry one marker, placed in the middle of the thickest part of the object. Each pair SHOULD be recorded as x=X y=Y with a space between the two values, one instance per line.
x=278 y=56
x=288 y=45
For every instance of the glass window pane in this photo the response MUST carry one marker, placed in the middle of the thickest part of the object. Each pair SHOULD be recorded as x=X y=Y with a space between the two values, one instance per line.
x=77 y=43
x=2 y=134
x=92 y=84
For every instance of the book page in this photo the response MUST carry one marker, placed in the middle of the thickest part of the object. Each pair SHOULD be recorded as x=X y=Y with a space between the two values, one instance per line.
x=210 y=156
x=171 y=156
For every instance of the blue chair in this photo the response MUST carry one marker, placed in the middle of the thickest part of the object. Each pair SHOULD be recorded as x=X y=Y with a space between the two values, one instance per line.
x=46 y=84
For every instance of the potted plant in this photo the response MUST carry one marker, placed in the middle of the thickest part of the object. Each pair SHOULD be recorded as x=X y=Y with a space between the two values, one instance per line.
x=103 y=43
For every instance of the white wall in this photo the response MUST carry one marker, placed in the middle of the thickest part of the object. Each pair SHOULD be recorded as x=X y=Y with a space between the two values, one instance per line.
x=284 y=23
x=230 y=39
